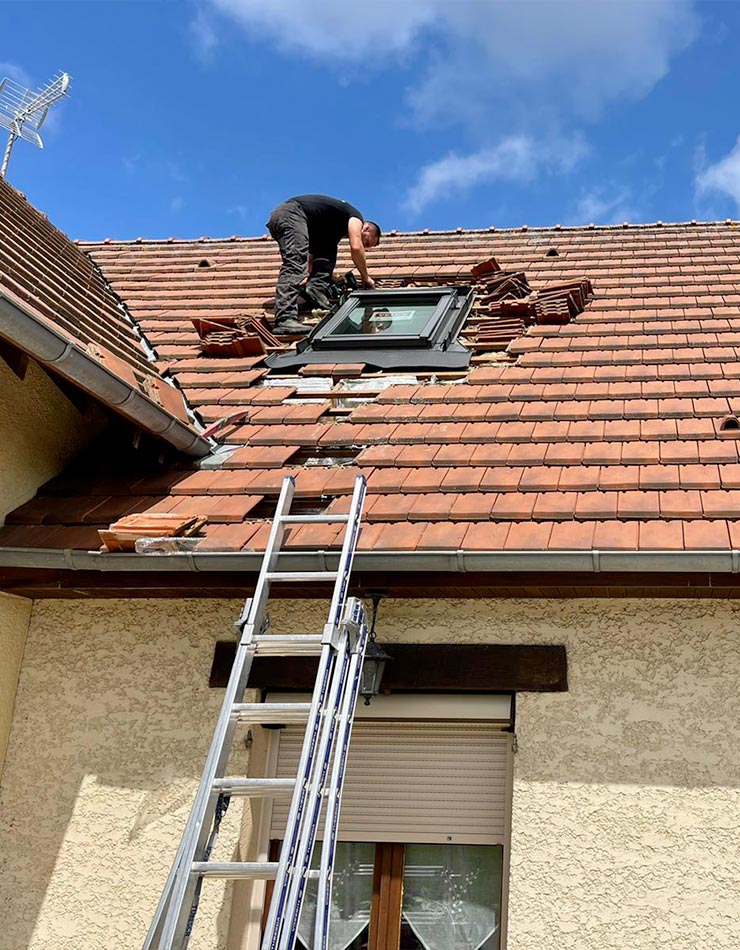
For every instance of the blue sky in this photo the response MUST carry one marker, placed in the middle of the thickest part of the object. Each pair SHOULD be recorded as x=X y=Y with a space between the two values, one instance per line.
x=195 y=118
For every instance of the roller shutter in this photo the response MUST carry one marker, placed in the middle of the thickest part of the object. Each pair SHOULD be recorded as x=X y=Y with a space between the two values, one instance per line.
x=416 y=782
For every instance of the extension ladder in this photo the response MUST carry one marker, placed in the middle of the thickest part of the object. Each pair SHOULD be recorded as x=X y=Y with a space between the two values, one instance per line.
x=329 y=717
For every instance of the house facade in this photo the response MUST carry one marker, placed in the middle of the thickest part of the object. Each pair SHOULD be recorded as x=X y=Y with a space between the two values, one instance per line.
x=546 y=419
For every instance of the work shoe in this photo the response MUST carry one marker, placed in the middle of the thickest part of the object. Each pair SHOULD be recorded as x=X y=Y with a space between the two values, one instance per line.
x=318 y=298
x=290 y=327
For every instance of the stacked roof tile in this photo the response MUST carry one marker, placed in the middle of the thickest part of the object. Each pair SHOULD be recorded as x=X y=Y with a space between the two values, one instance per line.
x=594 y=413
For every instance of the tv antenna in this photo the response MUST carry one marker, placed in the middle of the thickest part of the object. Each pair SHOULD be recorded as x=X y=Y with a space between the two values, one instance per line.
x=23 y=112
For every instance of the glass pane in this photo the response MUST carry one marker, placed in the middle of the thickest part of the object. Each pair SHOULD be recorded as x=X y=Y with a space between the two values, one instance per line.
x=451 y=897
x=350 y=902
x=408 y=317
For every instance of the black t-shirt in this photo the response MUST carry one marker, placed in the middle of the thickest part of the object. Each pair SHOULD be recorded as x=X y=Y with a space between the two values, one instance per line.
x=327 y=221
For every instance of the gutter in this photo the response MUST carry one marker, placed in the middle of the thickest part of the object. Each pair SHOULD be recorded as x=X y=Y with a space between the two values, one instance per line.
x=451 y=562
x=41 y=340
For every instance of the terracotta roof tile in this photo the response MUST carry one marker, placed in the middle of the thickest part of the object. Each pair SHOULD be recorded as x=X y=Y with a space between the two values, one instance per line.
x=605 y=431
x=572 y=535
x=232 y=537
x=591 y=506
x=397 y=537
x=616 y=535
x=661 y=535
x=555 y=506
x=721 y=504
x=680 y=504
x=442 y=536
x=706 y=534
x=266 y=456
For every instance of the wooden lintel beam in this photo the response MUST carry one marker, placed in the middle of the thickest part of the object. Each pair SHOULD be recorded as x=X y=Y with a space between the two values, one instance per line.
x=420 y=668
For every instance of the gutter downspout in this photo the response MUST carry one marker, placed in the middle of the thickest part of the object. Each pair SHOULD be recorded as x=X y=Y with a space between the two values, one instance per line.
x=39 y=338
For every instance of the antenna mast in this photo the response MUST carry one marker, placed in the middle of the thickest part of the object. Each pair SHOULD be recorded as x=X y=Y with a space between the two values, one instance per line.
x=23 y=112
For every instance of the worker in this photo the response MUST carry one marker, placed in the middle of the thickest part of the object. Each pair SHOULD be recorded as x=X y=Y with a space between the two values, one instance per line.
x=308 y=229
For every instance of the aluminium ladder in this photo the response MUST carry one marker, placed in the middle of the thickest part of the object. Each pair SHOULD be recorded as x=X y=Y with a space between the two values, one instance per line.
x=329 y=717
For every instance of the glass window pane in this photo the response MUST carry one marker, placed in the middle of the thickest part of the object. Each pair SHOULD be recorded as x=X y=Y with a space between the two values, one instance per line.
x=350 y=902
x=409 y=316
x=451 y=897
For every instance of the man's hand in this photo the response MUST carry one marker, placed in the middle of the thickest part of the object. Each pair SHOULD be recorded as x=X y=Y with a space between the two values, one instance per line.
x=368 y=282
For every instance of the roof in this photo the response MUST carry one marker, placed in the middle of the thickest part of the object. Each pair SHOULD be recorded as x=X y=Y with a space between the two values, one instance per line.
x=602 y=433
x=56 y=306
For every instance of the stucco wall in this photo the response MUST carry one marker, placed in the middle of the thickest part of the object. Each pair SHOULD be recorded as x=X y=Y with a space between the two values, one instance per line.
x=40 y=432
x=113 y=721
x=15 y=613
x=626 y=818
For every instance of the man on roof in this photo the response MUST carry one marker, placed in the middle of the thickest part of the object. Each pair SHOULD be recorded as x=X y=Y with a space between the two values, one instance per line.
x=308 y=229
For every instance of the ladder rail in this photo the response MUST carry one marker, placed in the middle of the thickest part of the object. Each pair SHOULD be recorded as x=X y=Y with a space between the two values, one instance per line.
x=334 y=801
x=196 y=831
x=298 y=801
x=284 y=888
x=302 y=861
x=347 y=557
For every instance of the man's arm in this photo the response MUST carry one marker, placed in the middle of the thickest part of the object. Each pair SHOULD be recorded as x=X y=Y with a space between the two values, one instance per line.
x=357 y=251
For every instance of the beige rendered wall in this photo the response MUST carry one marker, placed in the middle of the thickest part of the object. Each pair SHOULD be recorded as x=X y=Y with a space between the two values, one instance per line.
x=15 y=613
x=40 y=432
x=626 y=817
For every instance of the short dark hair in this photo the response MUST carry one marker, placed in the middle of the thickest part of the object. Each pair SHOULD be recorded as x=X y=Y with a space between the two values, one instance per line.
x=375 y=225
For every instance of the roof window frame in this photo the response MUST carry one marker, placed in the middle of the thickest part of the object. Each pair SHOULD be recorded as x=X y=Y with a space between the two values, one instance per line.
x=436 y=347
x=323 y=338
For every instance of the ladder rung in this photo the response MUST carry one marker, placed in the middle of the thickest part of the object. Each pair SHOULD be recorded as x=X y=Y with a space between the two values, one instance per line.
x=315 y=519
x=242 y=870
x=255 y=786
x=237 y=870
x=290 y=645
x=271 y=713
x=301 y=575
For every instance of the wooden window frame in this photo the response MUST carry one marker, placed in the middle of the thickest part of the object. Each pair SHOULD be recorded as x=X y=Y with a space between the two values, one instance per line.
x=386 y=903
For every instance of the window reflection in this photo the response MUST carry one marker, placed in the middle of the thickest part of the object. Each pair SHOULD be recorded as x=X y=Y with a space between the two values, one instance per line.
x=409 y=317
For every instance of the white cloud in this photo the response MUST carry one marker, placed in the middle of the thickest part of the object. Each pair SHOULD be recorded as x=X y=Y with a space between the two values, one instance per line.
x=567 y=54
x=723 y=176
x=203 y=32
x=335 y=28
x=517 y=158
x=514 y=74
x=610 y=204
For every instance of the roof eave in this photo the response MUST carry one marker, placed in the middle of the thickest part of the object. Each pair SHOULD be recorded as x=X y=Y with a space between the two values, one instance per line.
x=44 y=343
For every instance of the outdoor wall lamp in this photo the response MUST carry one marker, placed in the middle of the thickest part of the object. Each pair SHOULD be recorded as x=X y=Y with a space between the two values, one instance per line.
x=374 y=664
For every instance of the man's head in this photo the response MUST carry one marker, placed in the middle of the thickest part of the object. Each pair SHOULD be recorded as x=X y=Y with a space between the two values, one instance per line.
x=370 y=234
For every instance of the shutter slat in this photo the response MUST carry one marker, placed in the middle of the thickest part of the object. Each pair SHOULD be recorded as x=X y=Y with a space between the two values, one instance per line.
x=414 y=782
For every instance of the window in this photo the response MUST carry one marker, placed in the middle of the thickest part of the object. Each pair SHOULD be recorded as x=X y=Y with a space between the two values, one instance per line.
x=423 y=833
x=389 y=329
x=410 y=897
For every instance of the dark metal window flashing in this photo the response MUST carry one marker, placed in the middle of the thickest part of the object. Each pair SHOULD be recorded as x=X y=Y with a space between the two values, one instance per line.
x=434 y=346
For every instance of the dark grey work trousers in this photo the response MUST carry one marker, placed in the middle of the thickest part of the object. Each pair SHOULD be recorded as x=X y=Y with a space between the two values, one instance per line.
x=289 y=227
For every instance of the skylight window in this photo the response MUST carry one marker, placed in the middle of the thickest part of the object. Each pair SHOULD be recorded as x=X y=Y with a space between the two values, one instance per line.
x=409 y=317
x=389 y=329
